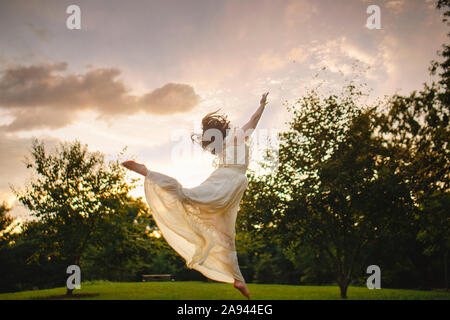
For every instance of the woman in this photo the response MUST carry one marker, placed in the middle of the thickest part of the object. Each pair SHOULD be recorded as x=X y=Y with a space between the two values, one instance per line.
x=199 y=222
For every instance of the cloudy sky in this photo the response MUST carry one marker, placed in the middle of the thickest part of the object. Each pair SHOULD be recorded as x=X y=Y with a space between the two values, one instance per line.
x=142 y=74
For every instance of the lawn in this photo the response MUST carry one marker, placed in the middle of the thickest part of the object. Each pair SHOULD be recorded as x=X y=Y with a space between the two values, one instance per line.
x=191 y=290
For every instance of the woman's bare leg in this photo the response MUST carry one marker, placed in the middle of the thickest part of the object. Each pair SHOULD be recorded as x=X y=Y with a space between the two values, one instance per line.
x=242 y=287
x=136 y=167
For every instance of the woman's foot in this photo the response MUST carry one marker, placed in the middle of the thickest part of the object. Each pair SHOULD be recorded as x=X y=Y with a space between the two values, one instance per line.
x=242 y=287
x=136 y=167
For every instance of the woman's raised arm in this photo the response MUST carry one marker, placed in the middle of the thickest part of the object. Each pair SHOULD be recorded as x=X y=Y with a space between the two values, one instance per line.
x=252 y=123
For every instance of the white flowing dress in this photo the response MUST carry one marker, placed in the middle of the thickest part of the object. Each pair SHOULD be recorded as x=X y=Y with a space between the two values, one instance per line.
x=199 y=223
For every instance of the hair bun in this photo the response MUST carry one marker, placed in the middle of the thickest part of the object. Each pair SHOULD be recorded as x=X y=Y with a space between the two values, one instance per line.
x=212 y=120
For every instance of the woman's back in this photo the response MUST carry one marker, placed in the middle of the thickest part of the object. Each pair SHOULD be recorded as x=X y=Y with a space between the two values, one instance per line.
x=235 y=151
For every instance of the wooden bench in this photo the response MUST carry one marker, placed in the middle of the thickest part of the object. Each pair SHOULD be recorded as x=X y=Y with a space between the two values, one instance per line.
x=156 y=277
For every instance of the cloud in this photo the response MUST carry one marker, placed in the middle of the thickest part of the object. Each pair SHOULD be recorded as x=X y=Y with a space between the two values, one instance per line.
x=299 y=11
x=41 y=33
x=269 y=61
x=171 y=98
x=13 y=171
x=46 y=96
x=396 y=5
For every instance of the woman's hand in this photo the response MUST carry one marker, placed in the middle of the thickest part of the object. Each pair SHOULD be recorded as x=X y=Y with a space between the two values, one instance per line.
x=263 y=101
x=251 y=124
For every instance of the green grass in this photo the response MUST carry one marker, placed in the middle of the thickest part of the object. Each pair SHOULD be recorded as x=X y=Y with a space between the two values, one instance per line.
x=190 y=290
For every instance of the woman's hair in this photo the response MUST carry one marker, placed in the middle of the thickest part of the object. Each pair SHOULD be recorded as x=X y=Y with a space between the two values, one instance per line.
x=212 y=120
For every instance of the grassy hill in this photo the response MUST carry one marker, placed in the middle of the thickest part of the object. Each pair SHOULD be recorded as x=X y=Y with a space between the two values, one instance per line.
x=191 y=290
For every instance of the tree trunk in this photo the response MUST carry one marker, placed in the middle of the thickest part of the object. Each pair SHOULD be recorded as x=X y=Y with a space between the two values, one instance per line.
x=446 y=270
x=343 y=283
x=77 y=262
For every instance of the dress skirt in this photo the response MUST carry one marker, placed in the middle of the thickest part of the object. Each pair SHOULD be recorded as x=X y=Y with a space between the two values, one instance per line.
x=199 y=223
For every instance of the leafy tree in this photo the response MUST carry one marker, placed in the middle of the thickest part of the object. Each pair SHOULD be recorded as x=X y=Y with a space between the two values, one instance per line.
x=336 y=188
x=435 y=228
x=329 y=158
x=6 y=224
x=119 y=253
x=312 y=266
x=258 y=246
x=417 y=127
x=444 y=66
x=71 y=196
x=350 y=179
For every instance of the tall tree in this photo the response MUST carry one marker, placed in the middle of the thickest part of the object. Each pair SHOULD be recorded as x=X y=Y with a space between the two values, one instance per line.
x=417 y=127
x=73 y=192
x=337 y=190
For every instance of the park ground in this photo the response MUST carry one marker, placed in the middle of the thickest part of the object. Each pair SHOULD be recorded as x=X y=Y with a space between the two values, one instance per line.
x=191 y=290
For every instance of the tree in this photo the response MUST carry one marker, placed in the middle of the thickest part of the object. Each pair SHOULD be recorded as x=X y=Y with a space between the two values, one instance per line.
x=417 y=127
x=6 y=224
x=355 y=183
x=435 y=228
x=443 y=66
x=337 y=190
x=119 y=254
x=71 y=196
x=258 y=246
